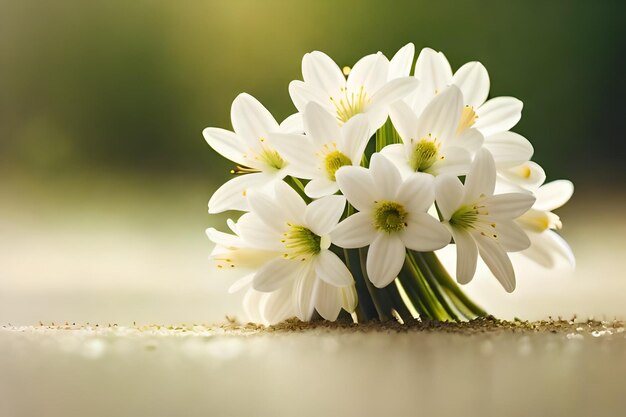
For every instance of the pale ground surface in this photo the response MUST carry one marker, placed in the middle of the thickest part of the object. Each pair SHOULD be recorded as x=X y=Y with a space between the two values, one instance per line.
x=579 y=370
x=117 y=252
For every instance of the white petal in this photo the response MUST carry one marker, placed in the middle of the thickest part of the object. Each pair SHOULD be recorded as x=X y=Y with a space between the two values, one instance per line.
x=471 y=139
x=498 y=115
x=497 y=261
x=424 y=233
x=322 y=215
x=404 y=120
x=441 y=116
x=481 y=179
x=528 y=175
x=226 y=143
x=356 y=231
x=509 y=149
x=275 y=274
x=251 y=120
x=511 y=237
x=304 y=292
x=327 y=300
x=433 y=70
x=290 y=202
x=473 y=80
x=396 y=154
x=393 y=91
x=466 y=255
x=456 y=161
x=509 y=205
x=299 y=153
x=265 y=208
x=251 y=306
x=232 y=195
x=553 y=195
x=400 y=64
x=349 y=298
x=449 y=194
x=538 y=251
x=385 y=176
x=331 y=269
x=320 y=187
x=385 y=258
x=417 y=192
x=241 y=283
x=223 y=239
x=278 y=305
x=301 y=94
x=320 y=124
x=357 y=185
x=257 y=234
x=369 y=73
x=355 y=134
x=322 y=73
x=560 y=246
x=293 y=124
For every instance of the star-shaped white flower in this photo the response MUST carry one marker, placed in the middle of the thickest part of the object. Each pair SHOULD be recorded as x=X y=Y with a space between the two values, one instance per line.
x=369 y=88
x=300 y=234
x=496 y=115
x=539 y=222
x=481 y=222
x=248 y=146
x=233 y=254
x=325 y=148
x=430 y=143
x=392 y=217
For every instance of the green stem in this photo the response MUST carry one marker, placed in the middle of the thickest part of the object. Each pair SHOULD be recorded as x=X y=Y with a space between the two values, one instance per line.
x=430 y=301
x=451 y=287
x=431 y=278
x=412 y=290
x=398 y=303
x=365 y=307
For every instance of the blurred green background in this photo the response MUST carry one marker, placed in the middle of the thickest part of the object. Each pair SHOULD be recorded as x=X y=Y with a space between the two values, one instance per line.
x=118 y=85
x=104 y=174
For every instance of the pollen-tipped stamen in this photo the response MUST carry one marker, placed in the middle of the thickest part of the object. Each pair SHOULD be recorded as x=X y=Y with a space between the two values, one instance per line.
x=425 y=154
x=300 y=243
x=333 y=161
x=389 y=216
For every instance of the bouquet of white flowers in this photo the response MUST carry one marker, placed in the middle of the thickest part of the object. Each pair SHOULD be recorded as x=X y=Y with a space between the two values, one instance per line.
x=346 y=201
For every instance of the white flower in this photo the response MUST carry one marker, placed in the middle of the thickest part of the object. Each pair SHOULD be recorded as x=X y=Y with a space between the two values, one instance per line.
x=232 y=253
x=430 y=142
x=248 y=146
x=325 y=148
x=539 y=222
x=526 y=176
x=300 y=235
x=496 y=115
x=369 y=88
x=481 y=222
x=492 y=118
x=392 y=217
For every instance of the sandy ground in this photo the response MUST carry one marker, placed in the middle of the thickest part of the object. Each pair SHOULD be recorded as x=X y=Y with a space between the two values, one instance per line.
x=487 y=368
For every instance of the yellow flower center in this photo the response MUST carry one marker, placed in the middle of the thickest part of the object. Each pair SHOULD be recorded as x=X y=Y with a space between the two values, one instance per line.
x=389 y=216
x=468 y=118
x=333 y=161
x=349 y=104
x=464 y=217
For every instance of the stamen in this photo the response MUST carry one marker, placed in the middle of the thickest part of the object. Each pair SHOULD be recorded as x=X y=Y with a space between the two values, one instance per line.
x=350 y=104
x=300 y=243
x=425 y=154
x=389 y=216
x=468 y=118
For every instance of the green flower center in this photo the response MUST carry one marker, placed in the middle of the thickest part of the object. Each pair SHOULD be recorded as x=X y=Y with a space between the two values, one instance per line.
x=333 y=161
x=300 y=243
x=464 y=217
x=389 y=216
x=272 y=158
x=425 y=154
